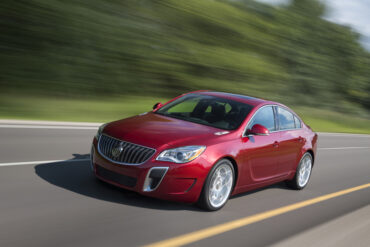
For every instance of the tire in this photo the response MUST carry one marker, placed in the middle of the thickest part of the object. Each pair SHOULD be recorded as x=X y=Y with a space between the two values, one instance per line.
x=301 y=178
x=218 y=186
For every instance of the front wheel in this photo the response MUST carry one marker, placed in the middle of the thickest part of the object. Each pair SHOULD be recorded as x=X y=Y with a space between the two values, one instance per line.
x=303 y=173
x=217 y=187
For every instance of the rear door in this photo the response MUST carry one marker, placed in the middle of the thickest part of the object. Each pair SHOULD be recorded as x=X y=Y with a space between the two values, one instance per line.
x=290 y=140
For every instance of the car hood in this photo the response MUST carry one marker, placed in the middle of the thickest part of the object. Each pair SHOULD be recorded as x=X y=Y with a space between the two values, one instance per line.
x=156 y=131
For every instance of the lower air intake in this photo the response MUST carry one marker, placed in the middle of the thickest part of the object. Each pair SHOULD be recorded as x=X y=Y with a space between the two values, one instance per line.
x=116 y=177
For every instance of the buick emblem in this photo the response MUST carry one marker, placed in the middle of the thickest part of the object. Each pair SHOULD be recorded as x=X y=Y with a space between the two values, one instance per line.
x=117 y=150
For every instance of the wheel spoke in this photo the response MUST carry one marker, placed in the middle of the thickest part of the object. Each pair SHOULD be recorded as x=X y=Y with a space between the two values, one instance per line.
x=220 y=185
x=304 y=171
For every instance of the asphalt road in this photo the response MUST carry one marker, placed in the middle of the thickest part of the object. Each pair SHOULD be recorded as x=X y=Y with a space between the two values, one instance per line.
x=62 y=204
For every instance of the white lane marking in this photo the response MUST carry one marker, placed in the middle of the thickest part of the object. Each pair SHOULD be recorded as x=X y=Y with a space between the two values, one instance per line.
x=33 y=122
x=342 y=135
x=11 y=126
x=337 y=148
x=41 y=162
x=80 y=160
x=83 y=160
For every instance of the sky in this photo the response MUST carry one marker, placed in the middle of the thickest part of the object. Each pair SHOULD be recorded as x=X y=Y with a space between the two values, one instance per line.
x=353 y=13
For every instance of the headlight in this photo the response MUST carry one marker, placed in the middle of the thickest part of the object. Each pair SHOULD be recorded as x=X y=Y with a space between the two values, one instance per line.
x=100 y=130
x=182 y=154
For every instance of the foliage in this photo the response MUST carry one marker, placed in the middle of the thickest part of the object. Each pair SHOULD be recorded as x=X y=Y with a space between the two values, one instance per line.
x=112 y=48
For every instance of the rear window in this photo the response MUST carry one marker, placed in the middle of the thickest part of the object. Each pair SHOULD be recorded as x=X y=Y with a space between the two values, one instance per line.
x=298 y=123
x=286 y=119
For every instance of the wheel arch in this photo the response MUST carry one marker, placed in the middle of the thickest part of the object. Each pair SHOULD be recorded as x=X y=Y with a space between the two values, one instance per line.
x=310 y=151
x=235 y=166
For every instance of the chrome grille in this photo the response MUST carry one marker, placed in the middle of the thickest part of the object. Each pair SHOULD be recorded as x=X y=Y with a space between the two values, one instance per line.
x=129 y=153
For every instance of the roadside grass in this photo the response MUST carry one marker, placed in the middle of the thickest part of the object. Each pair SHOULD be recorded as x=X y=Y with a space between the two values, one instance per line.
x=329 y=121
x=105 y=110
x=81 y=110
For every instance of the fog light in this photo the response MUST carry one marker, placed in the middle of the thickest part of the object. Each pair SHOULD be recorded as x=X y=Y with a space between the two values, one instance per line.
x=154 y=178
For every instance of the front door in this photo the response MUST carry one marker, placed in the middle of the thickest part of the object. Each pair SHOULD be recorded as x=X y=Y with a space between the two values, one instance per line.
x=260 y=153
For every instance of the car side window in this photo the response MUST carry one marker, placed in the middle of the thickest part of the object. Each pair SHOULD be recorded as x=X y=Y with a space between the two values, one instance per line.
x=264 y=117
x=286 y=119
x=297 y=122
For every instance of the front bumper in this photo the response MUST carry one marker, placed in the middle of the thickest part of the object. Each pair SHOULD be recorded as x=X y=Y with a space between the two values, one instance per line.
x=180 y=182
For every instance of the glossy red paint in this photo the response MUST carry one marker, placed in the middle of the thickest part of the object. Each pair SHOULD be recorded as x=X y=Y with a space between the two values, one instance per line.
x=259 y=130
x=259 y=160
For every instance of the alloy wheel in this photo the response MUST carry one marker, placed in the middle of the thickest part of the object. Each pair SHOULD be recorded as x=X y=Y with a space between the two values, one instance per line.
x=220 y=185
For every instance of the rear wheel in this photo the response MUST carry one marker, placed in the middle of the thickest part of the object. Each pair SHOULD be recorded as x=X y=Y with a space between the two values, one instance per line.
x=217 y=187
x=303 y=173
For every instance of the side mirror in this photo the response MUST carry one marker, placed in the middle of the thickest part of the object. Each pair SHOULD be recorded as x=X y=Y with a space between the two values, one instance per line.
x=157 y=105
x=258 y=130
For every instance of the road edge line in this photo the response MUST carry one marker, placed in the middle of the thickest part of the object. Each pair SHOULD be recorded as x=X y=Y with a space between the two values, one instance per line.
x=41 y=162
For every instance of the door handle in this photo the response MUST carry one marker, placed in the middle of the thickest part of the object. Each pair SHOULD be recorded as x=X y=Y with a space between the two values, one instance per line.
x=300 y=139
x=276 y=144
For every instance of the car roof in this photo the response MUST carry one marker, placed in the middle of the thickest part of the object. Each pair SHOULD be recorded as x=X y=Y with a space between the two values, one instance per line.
x=237 y=97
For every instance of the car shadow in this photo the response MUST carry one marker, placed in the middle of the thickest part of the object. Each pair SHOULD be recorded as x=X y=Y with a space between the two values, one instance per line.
x=75 y=175
x=280 y=185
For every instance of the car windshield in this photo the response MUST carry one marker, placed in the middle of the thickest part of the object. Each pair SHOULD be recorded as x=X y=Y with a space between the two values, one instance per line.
x=207 y=110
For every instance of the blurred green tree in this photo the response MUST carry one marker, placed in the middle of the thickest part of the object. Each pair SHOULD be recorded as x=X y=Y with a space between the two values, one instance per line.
x=111 y=48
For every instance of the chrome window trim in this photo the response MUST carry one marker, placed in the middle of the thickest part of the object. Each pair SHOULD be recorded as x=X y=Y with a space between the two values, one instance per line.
x=275 y=118
x=147 y=176
x=286 y=130
x=122 y=163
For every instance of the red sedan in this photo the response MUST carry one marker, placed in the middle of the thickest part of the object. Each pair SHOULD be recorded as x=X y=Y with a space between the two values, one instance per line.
x=204 y=147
